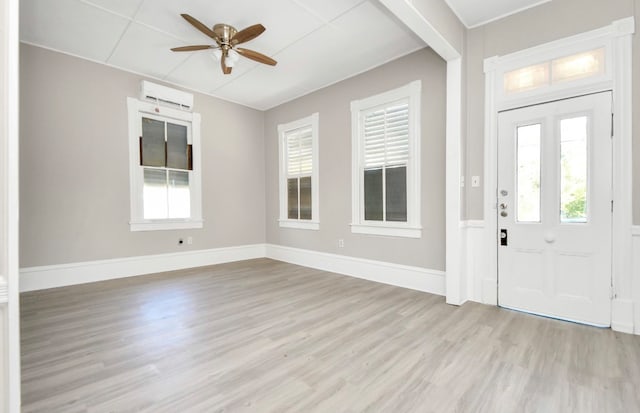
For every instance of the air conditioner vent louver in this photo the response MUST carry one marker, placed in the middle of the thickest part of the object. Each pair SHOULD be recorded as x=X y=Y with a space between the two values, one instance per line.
x=166 y=96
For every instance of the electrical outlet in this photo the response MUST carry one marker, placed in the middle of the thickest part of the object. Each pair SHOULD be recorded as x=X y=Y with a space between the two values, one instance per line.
x=189 y=240
x=340 y=243
x=475 y=181
x=462 y=181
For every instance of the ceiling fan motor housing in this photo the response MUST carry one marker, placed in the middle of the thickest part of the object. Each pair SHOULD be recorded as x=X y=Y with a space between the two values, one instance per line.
x=225 y=33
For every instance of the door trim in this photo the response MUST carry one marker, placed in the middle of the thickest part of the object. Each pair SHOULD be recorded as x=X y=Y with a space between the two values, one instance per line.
x=616 y=38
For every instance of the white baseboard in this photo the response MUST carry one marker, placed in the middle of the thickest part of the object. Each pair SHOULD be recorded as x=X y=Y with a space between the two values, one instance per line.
x=51 y=276
x=622 y=315
x=475 y=262
x=635 y=275
x=415 y=278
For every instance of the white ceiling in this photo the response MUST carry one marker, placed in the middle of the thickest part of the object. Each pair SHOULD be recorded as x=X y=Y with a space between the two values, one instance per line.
x=474 y=13
x=316 y=42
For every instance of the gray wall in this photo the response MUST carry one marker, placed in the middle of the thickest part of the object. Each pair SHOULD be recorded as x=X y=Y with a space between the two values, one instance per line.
x=74 y=166
x=333 y=105
x=542 y=24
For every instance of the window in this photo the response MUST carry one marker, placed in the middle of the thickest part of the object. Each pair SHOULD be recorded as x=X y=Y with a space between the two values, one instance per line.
x=164 y=153
x=556 y=71
x=386 y=163
x=298 y=147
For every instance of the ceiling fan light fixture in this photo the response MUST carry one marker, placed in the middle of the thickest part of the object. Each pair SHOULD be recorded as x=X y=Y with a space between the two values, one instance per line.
x=233 y=56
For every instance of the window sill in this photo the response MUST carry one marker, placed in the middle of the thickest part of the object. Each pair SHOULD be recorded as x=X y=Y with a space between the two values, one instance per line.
x=387 y=230
x=161 y=225
x=312 y=225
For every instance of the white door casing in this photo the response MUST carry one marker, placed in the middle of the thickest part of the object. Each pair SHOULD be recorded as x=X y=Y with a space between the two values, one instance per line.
x=556 y=264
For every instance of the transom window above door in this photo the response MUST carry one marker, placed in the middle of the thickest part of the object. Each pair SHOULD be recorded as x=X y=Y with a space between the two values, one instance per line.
x=557 y=71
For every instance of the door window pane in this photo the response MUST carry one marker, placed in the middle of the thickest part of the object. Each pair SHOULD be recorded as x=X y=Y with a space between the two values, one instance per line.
x=179 y=196
x=573 y=170
x=152 y=142
x=177 y=146
x=373 y=195
x=396 y=193
x=305 y=197
x=155 y=194
x=292 y=196
x=528 y=173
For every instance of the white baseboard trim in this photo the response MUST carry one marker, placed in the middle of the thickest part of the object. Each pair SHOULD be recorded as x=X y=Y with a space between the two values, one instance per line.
x=415 y=278
x=635 y=275
x=622 y=315
x=51 y=276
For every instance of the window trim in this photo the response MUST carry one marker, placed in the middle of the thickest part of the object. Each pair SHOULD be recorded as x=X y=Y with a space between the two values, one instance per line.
x=136 y=109
x=411 y=228
x=284 y=221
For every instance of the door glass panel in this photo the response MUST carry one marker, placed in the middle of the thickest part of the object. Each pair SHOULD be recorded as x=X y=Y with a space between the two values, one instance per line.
x=573 y=170
x=528 y=173
x=179 y=196
x=177 y=146
x=152 y=142
x=155 y=194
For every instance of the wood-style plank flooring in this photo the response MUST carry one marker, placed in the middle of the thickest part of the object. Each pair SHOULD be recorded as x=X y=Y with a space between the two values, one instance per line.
x=265 y=336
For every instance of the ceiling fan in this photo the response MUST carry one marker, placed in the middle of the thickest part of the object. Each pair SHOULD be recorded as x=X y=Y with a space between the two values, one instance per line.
x=227 y=38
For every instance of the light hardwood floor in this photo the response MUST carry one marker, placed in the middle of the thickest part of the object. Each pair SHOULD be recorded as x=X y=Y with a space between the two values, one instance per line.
x=265 y=336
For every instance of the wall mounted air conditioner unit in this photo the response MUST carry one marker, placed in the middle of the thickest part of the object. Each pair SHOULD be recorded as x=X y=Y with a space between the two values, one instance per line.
x=165 y=96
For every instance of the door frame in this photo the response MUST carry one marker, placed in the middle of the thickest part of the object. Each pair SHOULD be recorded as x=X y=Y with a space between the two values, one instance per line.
x=9 y=232
x=616 y=39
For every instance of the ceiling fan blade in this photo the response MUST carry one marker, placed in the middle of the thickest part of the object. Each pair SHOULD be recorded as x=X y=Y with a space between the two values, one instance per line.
x=200 y=26
x=191 y=48
x=258 y=57
x=225 y=69
x=247 y=34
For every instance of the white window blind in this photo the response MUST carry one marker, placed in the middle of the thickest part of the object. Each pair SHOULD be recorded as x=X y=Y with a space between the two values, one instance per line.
x=300 y=152
x=386 y=136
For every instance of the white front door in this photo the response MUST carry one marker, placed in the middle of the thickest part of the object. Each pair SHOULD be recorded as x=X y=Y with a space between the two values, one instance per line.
x=554 y=209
